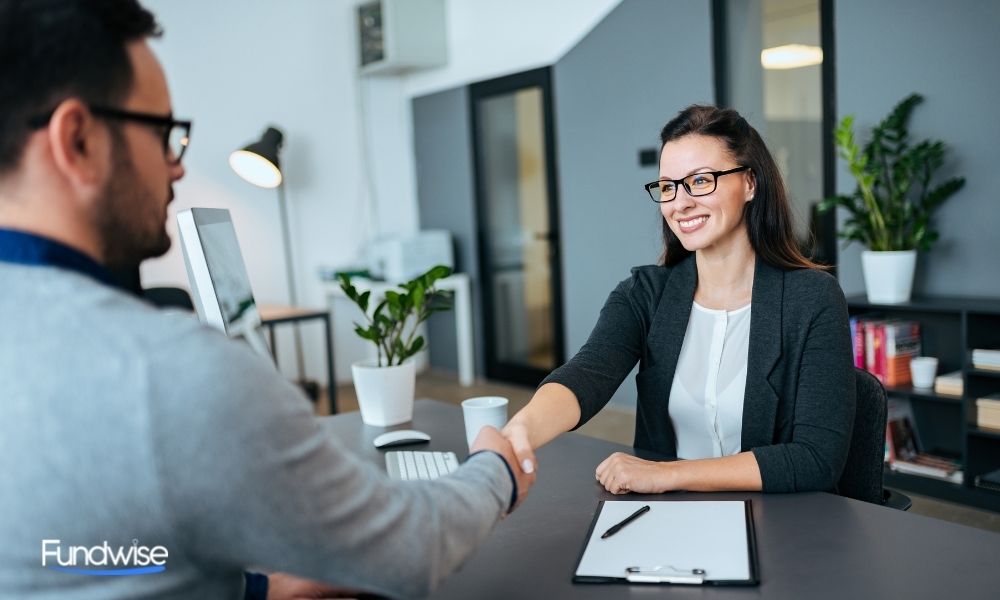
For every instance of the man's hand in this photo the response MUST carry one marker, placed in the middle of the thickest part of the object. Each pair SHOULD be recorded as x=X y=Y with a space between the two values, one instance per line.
x=282 y=586
x=622 y=473
x=490 y=439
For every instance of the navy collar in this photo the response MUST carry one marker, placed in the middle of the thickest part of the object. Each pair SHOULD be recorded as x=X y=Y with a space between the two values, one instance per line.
x=25 y=248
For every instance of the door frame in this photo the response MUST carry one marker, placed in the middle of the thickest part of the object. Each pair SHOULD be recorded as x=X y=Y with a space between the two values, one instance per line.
x=541 y=78
x=825 y=225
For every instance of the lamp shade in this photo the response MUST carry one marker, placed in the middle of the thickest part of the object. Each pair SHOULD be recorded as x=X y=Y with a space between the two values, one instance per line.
x=258 y=162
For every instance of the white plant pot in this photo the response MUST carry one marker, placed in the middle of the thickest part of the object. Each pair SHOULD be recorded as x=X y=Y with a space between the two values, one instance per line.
x=385 y=394
x=888 y=275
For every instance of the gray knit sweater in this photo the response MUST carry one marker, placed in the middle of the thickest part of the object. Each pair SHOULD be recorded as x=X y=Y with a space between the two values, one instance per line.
x=122 y=423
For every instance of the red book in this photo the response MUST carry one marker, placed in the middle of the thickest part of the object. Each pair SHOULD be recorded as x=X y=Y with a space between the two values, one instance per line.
x=869 y=333
x=879 y=350
x=858 y=335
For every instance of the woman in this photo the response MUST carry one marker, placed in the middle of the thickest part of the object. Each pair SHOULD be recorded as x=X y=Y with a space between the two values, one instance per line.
x=743 y=344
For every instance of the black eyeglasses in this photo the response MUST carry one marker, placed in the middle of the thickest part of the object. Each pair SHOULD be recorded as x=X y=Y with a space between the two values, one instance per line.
x=697 y=184
x=176 y=134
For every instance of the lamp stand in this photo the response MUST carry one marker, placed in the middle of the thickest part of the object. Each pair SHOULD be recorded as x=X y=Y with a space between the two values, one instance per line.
x=292 y=295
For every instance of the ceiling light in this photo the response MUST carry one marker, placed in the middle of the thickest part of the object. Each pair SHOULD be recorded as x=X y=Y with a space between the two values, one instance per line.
x=791 y=56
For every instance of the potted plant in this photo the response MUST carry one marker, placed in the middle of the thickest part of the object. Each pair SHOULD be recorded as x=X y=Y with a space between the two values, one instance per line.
x=385 y=384
x=890 y=211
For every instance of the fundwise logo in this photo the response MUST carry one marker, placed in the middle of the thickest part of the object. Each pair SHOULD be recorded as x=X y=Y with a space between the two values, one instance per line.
x=104 y=560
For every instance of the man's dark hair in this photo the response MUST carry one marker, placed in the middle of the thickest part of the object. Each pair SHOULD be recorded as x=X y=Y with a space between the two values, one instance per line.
x=52 y=50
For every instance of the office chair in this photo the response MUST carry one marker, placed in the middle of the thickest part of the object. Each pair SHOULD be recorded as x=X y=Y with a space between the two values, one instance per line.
x=172 y=297
x=128 y=279
x=862 y=477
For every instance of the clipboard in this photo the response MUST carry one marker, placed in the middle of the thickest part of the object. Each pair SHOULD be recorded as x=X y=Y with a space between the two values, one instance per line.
x=702 y=542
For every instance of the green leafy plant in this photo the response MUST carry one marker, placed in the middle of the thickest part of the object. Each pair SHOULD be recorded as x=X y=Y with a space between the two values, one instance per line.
x=387 y=324
x=891 y=208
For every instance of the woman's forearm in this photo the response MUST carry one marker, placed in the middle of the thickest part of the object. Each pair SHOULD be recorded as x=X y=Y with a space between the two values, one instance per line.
x=553 y=409
x=738 y=472
x=622 y=473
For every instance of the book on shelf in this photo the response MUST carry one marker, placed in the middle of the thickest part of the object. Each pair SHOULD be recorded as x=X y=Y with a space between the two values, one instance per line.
x=900 y=435
x=988 y=411
x=904 y=451
x=949 y=383
x=872 y=344
x=989 y=481
x=884 y=348
x=949 y=472
x=986 y=359
x=858 y=341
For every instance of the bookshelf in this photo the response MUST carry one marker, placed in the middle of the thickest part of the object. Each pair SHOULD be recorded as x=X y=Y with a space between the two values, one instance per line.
x=951 y=327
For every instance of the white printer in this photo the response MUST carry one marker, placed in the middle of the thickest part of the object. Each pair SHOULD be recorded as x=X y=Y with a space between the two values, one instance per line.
x=401 y=258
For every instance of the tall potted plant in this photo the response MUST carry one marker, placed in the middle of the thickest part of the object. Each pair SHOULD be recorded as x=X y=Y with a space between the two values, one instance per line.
x=385 y=385
x=890 y=210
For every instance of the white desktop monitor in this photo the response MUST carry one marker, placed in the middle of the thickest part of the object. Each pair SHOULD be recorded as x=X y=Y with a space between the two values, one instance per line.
x=220 y=286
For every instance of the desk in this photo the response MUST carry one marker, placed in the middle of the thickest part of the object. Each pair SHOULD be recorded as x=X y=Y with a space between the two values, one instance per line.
x=274 y=314
x=458 y=283
x=810 y=545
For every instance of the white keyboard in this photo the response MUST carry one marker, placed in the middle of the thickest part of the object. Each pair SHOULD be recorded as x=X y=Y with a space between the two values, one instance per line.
x=409 y=465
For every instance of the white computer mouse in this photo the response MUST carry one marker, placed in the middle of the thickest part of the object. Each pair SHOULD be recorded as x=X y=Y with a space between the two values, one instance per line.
x=401 y=437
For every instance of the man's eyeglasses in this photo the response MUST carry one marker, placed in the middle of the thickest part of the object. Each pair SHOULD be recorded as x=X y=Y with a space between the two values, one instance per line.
x=176 y=134
x=697 y=184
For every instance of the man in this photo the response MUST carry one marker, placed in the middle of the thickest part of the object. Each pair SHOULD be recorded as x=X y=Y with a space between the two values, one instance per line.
x=140 y=437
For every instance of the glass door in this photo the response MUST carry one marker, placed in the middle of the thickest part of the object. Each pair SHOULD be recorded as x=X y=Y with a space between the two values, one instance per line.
x=518 y=226
x=773 y=63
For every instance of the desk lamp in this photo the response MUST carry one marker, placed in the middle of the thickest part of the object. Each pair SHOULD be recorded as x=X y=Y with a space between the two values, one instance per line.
x=258 y=163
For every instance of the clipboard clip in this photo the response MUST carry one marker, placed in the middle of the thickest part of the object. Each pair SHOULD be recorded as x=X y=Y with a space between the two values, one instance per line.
x=664 y=574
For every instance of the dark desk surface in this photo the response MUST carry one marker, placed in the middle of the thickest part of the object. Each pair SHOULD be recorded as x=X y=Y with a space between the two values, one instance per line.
x=810 y=546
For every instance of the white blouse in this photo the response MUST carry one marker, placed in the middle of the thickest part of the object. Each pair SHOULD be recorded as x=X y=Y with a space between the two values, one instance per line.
x=706 y=397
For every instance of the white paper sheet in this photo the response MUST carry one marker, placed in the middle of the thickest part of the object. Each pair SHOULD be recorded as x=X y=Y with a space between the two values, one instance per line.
x=678 y=536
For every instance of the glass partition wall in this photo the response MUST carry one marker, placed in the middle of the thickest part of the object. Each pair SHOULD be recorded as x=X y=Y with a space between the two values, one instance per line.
x=773 y=64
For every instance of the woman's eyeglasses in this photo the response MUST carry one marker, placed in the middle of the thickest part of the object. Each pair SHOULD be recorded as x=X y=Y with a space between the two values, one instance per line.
x=696 y=184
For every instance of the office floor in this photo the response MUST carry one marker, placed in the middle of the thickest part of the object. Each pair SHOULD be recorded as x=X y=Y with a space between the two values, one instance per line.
x=617 y=426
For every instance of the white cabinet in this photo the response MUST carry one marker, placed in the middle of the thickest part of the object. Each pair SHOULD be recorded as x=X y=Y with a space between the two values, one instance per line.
x=395 y=36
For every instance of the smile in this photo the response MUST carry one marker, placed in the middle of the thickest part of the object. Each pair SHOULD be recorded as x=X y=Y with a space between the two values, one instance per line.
x=693 y=224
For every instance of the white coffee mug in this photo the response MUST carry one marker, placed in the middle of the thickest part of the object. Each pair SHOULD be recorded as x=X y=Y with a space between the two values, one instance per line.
x=922 y=371
x=482 y=411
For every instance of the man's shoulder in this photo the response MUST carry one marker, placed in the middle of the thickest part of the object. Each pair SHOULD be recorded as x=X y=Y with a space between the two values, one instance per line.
x=93 y=315
x=138 y=326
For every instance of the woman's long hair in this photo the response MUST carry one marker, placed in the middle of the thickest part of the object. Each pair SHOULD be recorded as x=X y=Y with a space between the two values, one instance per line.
x=768 y=216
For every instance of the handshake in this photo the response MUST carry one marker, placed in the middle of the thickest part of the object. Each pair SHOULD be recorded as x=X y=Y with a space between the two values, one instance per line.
x=513 y=446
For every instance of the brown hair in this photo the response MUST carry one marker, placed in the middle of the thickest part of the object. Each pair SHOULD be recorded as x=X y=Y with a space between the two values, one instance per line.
x=768 y=216
x=57 y=49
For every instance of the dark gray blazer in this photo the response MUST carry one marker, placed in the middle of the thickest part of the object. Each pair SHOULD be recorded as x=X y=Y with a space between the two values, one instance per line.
x=798 y=408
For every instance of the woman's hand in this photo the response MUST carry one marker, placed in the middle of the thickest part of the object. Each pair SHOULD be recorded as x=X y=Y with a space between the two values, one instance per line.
x=622 y=473
x=491 y=439
x=517 y=435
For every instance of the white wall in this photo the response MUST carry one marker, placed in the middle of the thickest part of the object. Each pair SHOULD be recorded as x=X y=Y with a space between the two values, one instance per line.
x=234 y=67
x=237 y=66
x=491 y=38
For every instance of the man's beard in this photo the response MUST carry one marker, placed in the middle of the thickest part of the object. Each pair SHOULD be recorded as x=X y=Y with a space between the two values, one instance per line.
x=130 y=223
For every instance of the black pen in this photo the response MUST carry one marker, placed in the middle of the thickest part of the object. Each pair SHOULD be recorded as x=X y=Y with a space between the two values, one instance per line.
x=632 y=517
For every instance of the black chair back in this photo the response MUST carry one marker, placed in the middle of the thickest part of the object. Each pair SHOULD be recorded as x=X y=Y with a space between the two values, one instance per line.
x=168 y=297
x=862 y=477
